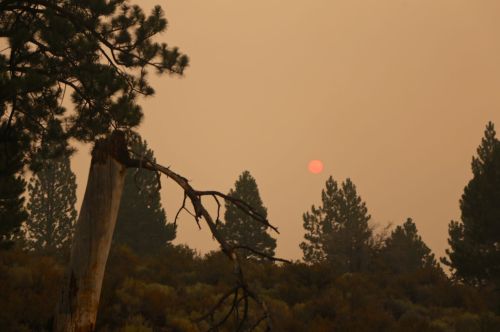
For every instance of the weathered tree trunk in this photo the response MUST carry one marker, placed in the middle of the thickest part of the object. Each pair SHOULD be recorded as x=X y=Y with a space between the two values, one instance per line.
x=77 y=308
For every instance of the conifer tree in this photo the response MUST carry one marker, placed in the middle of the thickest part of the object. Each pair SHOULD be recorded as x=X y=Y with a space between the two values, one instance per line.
x=474 y=253
x=52 y=213
x=347 y=236
x=241 y=229
x=338 y=230
x=405 y=251
x=141 y=222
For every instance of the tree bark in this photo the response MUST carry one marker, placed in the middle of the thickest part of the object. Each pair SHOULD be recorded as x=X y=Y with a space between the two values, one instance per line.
x=79 y=301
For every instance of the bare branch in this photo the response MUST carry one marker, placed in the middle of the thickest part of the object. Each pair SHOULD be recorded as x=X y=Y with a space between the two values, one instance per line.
x=242 y=205
x=230 y=250
x=218 y=209
x=183 y=207
x=180 y=209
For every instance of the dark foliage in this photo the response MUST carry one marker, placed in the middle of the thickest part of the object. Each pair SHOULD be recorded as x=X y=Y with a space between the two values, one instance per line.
x=241 y=229
x=98 y=52
x=52 y=213
x=169 y=291
x=12 y=211
x=405 y=252
x=474 y=253
x=338 y=231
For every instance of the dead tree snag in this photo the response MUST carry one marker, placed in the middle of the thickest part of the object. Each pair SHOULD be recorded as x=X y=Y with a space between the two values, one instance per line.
x=77 y=309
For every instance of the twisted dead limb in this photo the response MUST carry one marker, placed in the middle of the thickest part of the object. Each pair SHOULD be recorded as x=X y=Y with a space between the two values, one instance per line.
x=200 y=212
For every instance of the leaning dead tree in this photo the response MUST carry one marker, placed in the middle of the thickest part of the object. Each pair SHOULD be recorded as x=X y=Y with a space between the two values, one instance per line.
x=77 y=309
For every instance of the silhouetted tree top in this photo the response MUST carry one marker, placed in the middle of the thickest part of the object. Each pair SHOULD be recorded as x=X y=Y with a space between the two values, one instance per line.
x=405 y=251
x=98 y=52
x=338 y=230
x=474 y=241
x=241 y=229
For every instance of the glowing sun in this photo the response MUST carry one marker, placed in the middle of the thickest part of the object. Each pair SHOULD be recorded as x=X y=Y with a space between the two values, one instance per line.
x=315 y=166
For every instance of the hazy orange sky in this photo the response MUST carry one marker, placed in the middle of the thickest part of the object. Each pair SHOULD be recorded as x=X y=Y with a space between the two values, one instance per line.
x=393 y=94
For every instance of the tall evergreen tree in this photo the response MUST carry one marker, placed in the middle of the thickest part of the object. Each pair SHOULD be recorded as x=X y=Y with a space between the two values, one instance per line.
x=338 y=230
x=241 y=229
x=474 y=253
x=141 y=222
x=405 y=251
x=51 y=206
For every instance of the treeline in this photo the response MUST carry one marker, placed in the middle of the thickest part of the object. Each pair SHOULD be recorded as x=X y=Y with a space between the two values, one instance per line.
x=351 y=278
